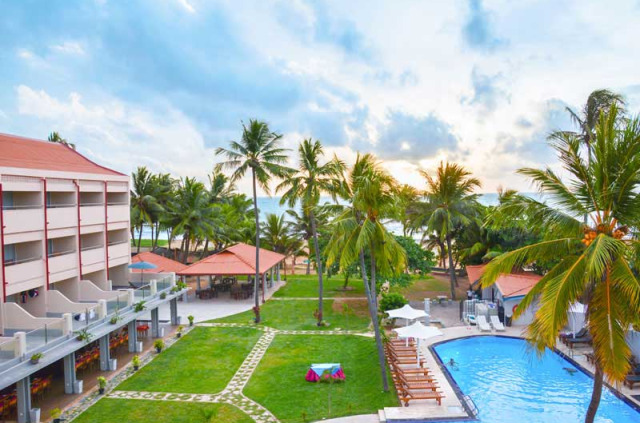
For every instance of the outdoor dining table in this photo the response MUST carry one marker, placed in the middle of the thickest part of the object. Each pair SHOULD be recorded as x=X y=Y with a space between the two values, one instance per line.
x=315 y=372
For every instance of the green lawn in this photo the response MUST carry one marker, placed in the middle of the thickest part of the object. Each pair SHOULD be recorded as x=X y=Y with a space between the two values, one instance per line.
x=146 y=243
x=142 y=411
x=203 y=361
x=298 y=315
x=306 y=286
x=422 y=287
x=278 y=382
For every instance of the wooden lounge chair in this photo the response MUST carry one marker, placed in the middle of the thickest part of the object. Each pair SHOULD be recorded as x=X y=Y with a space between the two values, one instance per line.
x=418 y=382
x=407 y=395
x=632 y=380
x=573 y=342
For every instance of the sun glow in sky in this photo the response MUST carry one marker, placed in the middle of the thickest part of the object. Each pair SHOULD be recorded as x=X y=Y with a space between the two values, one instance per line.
x=163 y=83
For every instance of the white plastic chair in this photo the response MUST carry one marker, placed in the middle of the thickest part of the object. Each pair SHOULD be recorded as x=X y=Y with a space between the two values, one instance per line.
x=495 y=322
x=483 y=325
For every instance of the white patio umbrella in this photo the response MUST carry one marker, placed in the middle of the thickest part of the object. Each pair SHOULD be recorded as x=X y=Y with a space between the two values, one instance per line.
x=406 y=312
x=577 y=313
x=418 y=331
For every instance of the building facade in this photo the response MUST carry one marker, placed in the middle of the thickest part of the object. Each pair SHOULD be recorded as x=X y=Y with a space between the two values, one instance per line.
x=65 y=251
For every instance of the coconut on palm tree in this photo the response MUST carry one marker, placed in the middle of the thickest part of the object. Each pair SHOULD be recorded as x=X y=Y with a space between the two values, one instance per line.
x=450 y=201
x=259 y=151
x=359 y=230
x=312 y=180
x=594 y=263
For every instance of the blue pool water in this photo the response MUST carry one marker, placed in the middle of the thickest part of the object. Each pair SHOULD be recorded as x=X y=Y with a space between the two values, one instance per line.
x=510 y=384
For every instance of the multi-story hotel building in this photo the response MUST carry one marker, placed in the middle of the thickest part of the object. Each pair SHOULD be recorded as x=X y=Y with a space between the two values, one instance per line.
x=65 y=252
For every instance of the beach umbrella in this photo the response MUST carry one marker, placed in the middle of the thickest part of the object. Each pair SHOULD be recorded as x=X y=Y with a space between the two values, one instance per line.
x=406 y=312
x=419 y=332
x=142 y=265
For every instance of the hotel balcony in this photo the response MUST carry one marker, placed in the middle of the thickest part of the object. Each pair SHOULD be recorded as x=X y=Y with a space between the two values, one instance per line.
x=62 y=265
x=62 y=216
x=118 y=212
x=23 y=219
x=118 y=253
x=40 y=331
x=93 y=259
x=91 y=214
x=24 y=274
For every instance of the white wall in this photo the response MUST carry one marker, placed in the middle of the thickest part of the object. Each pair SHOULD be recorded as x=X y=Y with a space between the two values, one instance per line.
x=633 y=339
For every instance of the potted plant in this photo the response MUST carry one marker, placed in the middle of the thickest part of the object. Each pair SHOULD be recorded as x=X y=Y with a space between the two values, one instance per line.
x=190 y=317
x=163 y=295
x=102 y=384
x=136 y=362
x=179 y=331
x=35 y=359
x=83 y=336
x=138 y=307
x=158 y=345
x=55 y=414
x=114 y=319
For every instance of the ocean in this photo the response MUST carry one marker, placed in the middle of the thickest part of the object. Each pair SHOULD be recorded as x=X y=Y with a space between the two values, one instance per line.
x=271 y=205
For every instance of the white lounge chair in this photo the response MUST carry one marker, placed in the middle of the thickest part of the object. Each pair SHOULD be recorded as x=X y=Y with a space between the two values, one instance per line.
x=495 y=322
x=483 y=325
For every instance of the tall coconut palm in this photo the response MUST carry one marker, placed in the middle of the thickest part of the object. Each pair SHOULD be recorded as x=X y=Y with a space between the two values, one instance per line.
x=599 y=101
x=259 y=151
x=275 y=232
x=302 y=228
x=143 y=203
x=192 y=213
x=55 y=137
x=449 y=201
x=359 y=229
x=596 y=263
x=312 y=180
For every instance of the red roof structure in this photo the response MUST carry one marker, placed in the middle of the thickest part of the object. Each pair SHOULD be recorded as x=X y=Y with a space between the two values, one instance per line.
x=475 y=272
x=239 y=259
x=516 y=285
x=164 y=264
x=27 y=153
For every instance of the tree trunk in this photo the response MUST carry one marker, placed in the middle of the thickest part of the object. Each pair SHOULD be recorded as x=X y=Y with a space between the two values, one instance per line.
x=256 y=290
x=140 y=237
x=598 y=381
x=318 y=264
x=452 y=270
x=157 y=235
x=205 y=249
x=372 y=280
x=187 y=241
x=346 y=281
x=373 y=311
x=309 y=257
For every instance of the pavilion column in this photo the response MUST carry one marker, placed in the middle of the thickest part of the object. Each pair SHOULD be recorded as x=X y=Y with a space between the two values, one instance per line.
x=210 y=281
x=198 y=283
x=155 y=323
x=173 y=309
x=271 y=284
x=133 y=335
x=69 y=363
x=105 y=354
x=24 y=400
x=263 y=278
x=278 y=272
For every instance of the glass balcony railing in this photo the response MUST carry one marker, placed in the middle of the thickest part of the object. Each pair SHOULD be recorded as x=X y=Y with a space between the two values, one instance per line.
x=40 y=337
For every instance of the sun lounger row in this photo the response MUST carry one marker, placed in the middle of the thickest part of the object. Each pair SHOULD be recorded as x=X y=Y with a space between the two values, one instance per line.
x=484 y=326
x=412 y=381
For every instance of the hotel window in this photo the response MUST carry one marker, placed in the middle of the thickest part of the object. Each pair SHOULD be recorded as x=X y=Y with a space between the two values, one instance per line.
x=7 y=200
x=9 y=253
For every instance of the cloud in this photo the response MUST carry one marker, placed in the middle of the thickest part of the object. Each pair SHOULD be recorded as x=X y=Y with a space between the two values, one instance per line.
x=477 y=32
x=69 y=47
x=119 y=135
x=188 y=6
x=486 y=91
x=411 y=138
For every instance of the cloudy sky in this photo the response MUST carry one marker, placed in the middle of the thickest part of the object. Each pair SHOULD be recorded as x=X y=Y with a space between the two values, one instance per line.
x=162 y=83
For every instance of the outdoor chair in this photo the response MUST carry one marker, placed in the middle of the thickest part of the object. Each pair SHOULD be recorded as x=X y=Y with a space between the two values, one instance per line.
x=407 y=395
x=483 y=325
x=632 y=380
x=497 y=325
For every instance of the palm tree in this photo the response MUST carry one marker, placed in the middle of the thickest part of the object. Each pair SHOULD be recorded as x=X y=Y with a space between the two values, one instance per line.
x=406 y=196
x=275 y=231
x=192 y=213
x=55 y=137
x=449 y=201
x=143 y=202
x=599 y=101
x=359 y=229
x=301 y=226
x=311 y=181
x=258 y=150
x=596 y=263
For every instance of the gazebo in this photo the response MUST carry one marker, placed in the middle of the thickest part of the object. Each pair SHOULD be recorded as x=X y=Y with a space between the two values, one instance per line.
x=237 y=260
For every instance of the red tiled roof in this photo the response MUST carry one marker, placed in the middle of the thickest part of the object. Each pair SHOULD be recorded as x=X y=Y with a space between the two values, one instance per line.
x=26 y=153
x=239 y=259
x=164 y=264
x=474 y=272
x=515 y=285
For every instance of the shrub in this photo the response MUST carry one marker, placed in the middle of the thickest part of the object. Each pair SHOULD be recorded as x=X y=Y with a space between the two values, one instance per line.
x=158 y=345
x=190 y=317
x=36 y=358
x=102 y=382
x=135 y=361
x=391 y=301
x=56 y=413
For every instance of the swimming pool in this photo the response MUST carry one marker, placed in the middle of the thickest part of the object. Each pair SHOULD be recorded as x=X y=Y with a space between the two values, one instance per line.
x=510 y=384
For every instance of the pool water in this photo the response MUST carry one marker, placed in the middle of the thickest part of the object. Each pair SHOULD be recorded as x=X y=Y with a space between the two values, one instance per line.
x=510 y=384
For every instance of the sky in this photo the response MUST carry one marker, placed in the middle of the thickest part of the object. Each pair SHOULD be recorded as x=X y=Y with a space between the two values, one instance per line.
x=162 y=83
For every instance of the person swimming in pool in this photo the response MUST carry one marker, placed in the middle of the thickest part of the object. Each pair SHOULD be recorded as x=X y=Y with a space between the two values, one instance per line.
x=452 y=363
